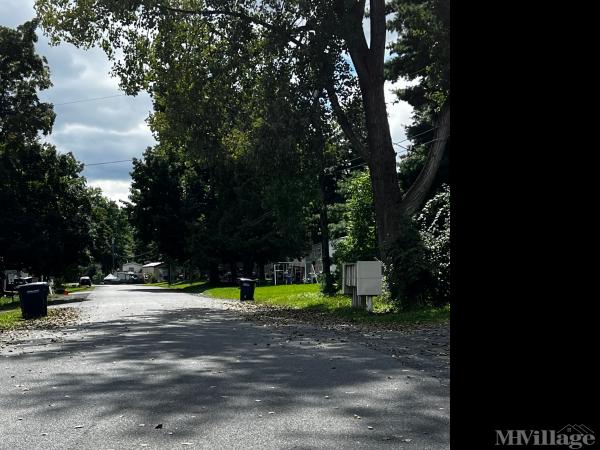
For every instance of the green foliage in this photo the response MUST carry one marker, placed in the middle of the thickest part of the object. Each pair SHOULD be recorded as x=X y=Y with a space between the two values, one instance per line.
x=234 y=161
x=98 y=278
x=45 y=220
x=233 y=89
x=51 y=223
x=109 y=222
x=409 y=274
x=422 y=51
x=22 y=74
x=159 y=211
x=307 y=298
x=434 y=226
x=421 y=54
x=360 y=242
x=420 y=273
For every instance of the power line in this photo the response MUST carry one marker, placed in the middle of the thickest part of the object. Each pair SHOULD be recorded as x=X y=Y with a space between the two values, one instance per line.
x=402 y=146
x=364 y=164
x=89 y=99
x=108 y=162
x=433 y=140
x=418 y=134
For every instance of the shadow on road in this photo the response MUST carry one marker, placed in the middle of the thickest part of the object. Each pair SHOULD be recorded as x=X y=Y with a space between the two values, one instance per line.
x=173 y=365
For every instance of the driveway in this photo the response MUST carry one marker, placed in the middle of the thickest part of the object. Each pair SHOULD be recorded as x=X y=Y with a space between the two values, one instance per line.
x=152 y=368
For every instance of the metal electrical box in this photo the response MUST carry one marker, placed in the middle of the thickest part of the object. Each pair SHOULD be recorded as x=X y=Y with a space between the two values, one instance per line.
x=348 y=278
x=368 y=277
x=362 y=278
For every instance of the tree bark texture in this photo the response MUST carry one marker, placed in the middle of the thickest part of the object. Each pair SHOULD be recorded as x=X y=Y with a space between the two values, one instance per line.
x=390 y=205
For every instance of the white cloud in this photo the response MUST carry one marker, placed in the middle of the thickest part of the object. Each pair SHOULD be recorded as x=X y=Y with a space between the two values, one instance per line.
x=399 y=114
x=141 y=129
x=115 y=190
x=108 y=129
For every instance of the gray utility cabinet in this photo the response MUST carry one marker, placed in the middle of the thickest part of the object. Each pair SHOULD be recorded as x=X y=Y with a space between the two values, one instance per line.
x=362 y=280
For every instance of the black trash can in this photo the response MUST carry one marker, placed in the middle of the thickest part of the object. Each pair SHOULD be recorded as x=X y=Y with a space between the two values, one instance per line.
x=34 y=299
x=247 y=288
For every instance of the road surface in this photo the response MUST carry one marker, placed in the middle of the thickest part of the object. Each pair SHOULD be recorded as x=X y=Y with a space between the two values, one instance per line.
x=152 y=368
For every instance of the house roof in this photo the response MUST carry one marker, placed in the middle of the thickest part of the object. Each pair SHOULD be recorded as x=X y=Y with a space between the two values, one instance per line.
x=154 y=264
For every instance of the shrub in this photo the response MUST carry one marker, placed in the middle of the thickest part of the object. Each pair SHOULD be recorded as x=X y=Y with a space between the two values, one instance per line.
x=409 y=276
x=420 y=272
x=434 y=227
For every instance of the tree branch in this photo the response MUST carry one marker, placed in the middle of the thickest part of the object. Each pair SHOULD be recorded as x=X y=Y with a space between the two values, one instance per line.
x=354 y=35
x=378 y=26
x=415 y=196
x=342 y=120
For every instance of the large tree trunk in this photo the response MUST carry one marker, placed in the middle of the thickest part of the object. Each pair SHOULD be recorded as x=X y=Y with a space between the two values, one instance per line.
x=328 y=287
x=415 y=196
x=390 y=206
x=381 y=158
x=379 y=151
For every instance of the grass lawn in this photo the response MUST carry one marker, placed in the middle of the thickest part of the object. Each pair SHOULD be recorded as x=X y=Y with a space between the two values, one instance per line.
x=10 y=317
x=10 y=309
x=308 y=297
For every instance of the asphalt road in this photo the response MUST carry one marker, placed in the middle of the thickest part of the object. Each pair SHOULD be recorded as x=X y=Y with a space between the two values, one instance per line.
x=145 y=357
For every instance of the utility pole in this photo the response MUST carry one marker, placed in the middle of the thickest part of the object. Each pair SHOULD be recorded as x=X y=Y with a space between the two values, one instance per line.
x=113 y=253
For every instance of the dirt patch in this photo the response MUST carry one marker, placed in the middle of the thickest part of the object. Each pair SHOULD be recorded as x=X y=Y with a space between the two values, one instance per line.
x=280 y=315
x=417 y=344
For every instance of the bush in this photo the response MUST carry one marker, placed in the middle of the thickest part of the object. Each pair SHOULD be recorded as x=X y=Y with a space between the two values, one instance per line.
x=59 y=283
x=434 y=227
x=409 y=276
x=420 y=272
x=98 y=278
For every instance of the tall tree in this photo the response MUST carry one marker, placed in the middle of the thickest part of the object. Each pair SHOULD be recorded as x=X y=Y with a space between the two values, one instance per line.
x=23 y=74
x=295 y=31
x=421 y=54
x=44 y=224
x=45 y=220
x=111 y=232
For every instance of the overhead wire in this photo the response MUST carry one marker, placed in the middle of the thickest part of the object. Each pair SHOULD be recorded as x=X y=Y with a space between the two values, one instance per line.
x=107 y=162
x=88 y=100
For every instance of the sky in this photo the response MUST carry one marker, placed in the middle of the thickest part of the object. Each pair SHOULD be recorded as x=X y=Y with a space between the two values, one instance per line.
x=109 y=126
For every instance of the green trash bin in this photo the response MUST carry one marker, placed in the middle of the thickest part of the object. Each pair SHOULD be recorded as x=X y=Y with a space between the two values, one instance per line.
x=34 y=299
x=247 y=288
